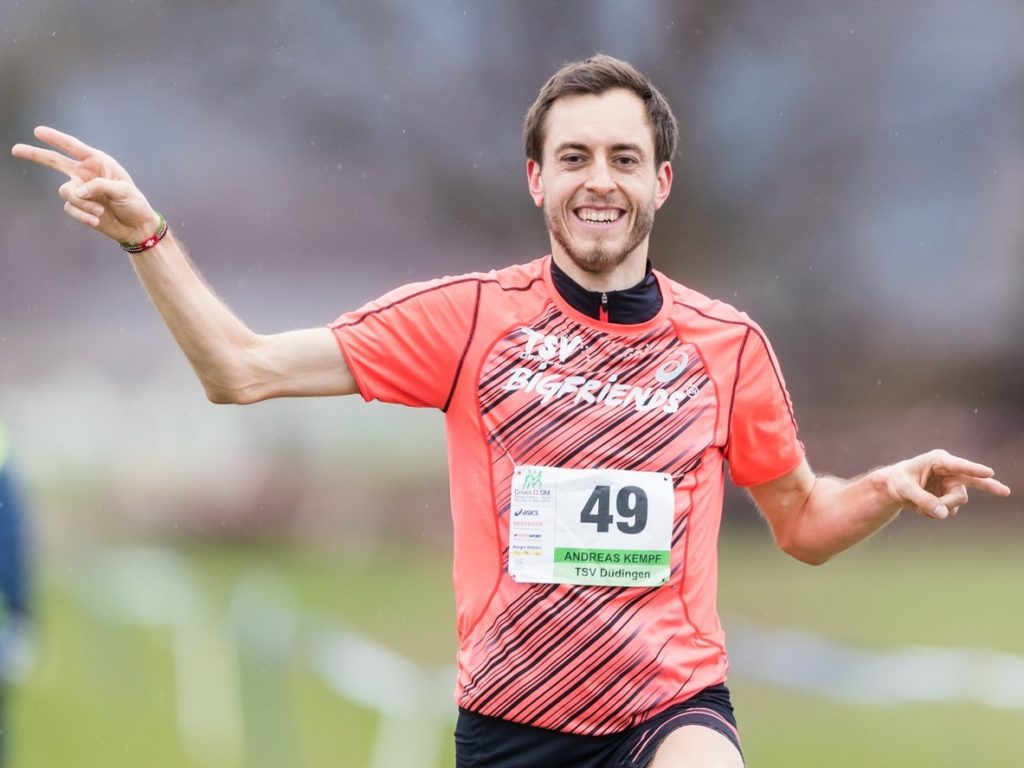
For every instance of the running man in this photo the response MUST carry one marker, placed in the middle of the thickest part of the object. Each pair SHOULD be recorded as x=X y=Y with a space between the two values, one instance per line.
x=590 y=405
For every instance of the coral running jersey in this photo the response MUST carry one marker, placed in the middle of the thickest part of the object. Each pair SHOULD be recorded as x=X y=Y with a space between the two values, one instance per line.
x=586 y=463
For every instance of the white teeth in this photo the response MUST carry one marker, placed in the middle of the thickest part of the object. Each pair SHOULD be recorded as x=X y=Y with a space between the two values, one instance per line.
x=598 y=216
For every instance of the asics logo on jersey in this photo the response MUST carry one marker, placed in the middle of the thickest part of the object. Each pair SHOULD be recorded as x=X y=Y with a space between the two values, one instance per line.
x=670 y=371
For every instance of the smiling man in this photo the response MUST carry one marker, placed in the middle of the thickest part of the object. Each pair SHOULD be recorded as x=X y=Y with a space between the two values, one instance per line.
x=591 y=405
x=599 y=180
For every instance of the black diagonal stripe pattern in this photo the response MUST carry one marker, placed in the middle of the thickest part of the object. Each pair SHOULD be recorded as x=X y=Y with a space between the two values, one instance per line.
x=559 y=654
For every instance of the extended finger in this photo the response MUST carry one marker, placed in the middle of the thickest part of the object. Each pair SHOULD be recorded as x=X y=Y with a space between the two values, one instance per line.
x=946 y=463
x=45 y=157
x=989 y=484
x=75 y=147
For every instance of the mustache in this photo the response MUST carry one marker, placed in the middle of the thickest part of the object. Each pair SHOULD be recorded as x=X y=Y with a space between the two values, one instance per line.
x=592 y=200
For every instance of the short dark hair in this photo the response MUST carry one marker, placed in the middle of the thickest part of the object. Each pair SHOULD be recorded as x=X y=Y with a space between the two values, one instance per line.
x=594 y=76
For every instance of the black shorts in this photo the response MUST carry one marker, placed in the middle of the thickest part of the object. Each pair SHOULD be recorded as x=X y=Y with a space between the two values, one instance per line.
x=489 y=742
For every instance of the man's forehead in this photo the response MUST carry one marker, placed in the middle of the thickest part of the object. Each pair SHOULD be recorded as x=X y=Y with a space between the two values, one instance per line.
x=614 y=117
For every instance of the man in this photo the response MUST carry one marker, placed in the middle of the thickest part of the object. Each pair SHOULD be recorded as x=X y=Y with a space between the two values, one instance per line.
x=15 y=651
x=590 y=403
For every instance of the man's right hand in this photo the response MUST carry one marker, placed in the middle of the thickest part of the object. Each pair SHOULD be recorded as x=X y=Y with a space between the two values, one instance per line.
x=234 y=364
x=99 y=192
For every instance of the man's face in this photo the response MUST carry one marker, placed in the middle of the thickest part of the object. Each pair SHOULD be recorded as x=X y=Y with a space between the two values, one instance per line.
x=598 y=183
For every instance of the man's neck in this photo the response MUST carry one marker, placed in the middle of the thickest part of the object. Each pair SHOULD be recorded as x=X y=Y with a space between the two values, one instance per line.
x=625 y=275
x=636 y=304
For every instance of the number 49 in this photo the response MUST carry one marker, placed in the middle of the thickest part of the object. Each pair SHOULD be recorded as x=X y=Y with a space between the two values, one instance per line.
x=630 y=503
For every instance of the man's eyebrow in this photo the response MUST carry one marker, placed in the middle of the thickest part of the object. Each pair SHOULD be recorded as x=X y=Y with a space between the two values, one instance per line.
x=574 y=145
x=579 y=147
x=634 y=148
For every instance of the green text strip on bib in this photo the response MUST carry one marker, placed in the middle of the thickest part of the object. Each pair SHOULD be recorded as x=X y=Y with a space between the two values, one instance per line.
x=608 y=527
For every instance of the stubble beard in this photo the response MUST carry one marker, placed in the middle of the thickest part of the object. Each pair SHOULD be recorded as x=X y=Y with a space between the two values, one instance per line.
x=600 y=257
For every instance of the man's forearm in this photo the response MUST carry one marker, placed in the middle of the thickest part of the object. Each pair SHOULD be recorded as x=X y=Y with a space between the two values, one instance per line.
x=836 y=515
x=213 y=339
x=234 y=364
x=814 y=518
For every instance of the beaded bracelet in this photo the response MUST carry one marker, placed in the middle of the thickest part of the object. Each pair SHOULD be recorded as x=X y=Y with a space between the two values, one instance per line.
x=150 y=241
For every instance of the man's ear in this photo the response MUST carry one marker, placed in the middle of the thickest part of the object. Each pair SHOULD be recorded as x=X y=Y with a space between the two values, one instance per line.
x=535 y=182
x=663 y=185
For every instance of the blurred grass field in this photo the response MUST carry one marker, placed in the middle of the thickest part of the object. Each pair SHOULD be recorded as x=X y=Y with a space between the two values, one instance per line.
x=104 y=692
x=921 y=586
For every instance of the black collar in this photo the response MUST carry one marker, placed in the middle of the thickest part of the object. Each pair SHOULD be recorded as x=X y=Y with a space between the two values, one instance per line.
x=628 y=307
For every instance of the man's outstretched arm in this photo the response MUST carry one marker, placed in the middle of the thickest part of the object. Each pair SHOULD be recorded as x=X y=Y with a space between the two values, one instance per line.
x=234 y=364
x=815 y=517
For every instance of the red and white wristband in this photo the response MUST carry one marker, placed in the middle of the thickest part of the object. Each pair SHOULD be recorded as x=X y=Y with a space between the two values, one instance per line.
x=150 y=241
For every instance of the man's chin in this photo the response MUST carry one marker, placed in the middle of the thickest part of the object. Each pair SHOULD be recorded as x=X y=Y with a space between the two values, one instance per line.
x=597 y=262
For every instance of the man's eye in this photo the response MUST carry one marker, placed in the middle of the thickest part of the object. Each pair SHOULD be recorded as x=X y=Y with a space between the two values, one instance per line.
x=626 y=160
x=572 y=159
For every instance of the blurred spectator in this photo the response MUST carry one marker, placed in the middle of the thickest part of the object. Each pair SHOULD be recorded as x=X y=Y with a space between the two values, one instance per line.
x=15 y=652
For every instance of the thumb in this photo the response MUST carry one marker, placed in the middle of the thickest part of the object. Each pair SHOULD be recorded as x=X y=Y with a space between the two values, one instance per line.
x=126 y=214
x=926 y=503
x=906 y=490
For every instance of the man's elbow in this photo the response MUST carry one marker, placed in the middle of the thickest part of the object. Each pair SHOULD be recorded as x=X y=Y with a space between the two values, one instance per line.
x=219 y=396
x=232 y=379
x=802 y=551
x=224 y=394
x=809 y=557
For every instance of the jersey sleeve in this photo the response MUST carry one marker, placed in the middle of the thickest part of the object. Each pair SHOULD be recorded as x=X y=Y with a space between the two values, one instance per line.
x=407 y=347
x=763 y=444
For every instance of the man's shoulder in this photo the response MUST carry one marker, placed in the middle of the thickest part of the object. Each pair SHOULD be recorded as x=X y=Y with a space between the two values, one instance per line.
x=455 y=289
x=688 y=302
x=514 y=277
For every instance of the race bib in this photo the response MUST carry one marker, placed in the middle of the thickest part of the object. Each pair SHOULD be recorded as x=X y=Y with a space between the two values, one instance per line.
x=607 y=527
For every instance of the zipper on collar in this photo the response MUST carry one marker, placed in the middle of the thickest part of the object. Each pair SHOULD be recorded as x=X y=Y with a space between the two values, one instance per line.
x=603 y=311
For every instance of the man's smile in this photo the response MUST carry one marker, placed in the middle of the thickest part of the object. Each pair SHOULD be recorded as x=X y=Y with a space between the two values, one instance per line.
x=599 y=217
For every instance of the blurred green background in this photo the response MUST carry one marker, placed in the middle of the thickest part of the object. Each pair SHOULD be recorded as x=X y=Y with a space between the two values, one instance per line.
x=852 y=176
x=107 y=687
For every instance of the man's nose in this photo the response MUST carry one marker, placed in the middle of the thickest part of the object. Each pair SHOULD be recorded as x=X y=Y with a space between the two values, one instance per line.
x=600 y=180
